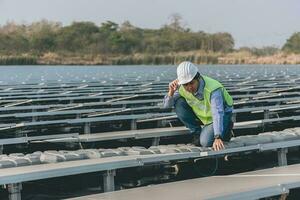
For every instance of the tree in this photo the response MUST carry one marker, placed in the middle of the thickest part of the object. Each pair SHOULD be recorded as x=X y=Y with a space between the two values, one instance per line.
x=176 y=23
x=132 y=38
x=77 y=37
x=293 y=43
x=42 y=35
x=222 y=42
x=13 y=39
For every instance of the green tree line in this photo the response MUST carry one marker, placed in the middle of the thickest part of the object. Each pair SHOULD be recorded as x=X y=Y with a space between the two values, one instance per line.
x=47 y=42
x=107 y=39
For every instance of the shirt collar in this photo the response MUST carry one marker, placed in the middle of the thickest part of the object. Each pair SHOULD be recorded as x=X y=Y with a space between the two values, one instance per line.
x=199 y=92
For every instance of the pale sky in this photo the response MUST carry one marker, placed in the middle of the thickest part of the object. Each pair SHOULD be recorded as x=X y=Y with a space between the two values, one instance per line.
x=251 y=22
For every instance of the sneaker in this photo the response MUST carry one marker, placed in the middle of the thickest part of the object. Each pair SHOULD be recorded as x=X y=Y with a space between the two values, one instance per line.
x=196 y=139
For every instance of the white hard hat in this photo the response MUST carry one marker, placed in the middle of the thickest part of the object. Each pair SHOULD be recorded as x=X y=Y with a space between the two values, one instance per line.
x=186 y=71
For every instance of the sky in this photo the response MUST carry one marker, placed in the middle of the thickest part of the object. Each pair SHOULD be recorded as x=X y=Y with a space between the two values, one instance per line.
x=252 y=23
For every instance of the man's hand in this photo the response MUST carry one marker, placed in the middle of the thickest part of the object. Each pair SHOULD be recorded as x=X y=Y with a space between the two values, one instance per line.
x=172 y=87
x=218 y=145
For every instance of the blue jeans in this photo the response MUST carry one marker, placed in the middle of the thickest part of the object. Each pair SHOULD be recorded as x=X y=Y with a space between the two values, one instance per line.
x=206 y=134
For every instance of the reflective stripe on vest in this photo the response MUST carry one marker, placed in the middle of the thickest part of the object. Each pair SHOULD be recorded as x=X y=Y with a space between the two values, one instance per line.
x=201 y=107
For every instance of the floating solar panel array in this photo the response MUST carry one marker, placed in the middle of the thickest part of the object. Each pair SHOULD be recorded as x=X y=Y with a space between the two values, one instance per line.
x=108 y=104
x=134 y=100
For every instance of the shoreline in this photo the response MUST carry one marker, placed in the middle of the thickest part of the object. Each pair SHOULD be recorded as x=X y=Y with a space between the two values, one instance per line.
x=207 y=58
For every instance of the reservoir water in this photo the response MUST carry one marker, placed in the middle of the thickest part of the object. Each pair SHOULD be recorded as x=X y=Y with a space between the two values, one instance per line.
x=119 y=74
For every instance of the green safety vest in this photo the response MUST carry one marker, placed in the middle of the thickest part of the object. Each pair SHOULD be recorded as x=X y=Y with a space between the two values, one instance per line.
x=201 y=107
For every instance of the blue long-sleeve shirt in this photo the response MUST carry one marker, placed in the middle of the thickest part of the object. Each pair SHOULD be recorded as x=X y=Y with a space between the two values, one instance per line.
x=216 y=101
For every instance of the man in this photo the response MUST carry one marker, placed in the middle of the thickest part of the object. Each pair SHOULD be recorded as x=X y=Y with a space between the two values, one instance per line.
x=198 y=97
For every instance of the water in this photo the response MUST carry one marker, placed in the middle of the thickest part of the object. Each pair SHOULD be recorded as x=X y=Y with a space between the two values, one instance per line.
x=123 y=74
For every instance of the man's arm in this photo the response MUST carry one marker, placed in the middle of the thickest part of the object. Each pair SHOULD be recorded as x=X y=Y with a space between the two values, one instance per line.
x=217 y=109
x=172 y=95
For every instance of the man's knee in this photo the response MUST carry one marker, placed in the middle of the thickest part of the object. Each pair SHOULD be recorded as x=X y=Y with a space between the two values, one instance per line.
x=181 y=103
x=181 y=107
x=187 y=116
x=206 y=143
